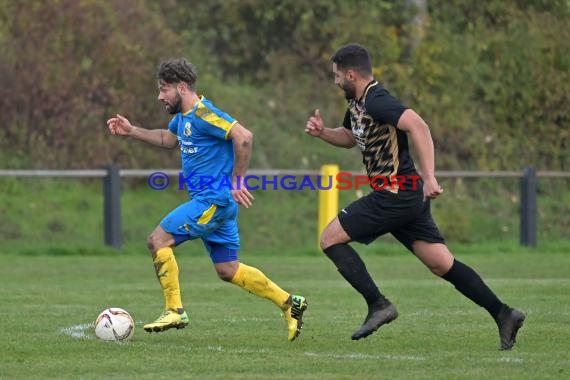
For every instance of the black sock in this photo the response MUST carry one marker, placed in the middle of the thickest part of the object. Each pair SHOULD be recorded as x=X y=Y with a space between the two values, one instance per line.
x=352 y=268
x=468 y=282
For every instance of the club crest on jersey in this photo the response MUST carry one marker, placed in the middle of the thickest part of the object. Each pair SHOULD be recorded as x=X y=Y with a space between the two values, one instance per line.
x=187 y=129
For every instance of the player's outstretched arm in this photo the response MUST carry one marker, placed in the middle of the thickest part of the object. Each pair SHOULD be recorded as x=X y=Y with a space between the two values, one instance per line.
x=340 y=137
x=121 y=126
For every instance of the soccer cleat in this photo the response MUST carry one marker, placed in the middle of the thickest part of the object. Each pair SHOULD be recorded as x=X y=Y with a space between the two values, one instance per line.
x=167 y=320
x=294 y=316
x=379 y=314
x=509 y=322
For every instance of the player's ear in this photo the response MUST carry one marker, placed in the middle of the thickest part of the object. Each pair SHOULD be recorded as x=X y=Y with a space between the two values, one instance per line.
x=351 y=74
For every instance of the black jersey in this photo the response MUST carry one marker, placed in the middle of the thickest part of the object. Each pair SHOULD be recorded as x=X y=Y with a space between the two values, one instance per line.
x=373 y=119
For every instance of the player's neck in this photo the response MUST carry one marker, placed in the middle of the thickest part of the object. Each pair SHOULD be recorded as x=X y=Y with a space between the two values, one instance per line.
x=189 y=102
x=362 y=85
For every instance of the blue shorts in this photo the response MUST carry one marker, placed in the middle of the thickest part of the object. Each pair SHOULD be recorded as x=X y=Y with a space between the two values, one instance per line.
x=216 y=225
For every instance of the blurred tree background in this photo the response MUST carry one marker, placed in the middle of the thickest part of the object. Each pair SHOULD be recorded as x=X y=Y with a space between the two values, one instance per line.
x=491 y=78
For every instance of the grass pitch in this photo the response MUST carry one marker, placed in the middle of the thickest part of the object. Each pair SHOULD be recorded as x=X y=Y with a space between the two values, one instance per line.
x=48 y=304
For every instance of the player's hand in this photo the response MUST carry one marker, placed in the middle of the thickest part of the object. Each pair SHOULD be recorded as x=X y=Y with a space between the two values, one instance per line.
x=432 y=189
x=119 y=125
x=241 y=194
x=315 y=125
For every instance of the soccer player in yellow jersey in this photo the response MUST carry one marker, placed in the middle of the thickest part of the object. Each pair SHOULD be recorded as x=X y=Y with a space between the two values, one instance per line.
x=215 y=151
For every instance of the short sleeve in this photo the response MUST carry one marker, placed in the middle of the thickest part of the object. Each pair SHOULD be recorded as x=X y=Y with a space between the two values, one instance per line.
x=217 y=123
x=173 y=125
x=384 y=108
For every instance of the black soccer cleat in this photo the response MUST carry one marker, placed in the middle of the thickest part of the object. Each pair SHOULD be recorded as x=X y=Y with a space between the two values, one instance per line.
x=509 y=322
x=378 y=314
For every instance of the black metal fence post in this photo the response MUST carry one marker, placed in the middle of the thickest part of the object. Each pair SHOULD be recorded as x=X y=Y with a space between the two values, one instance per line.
x=112 y=207
x=528 y=207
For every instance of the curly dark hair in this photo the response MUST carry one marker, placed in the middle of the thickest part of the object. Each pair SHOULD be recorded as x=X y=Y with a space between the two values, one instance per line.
x=177 y=70
x=353 y=56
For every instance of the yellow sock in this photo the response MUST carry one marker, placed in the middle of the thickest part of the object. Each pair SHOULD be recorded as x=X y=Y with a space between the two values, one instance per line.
x=166 y=269
x=254 y=281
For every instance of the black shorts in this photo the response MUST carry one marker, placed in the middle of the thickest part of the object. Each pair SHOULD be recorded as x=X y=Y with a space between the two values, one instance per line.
x=405 y=215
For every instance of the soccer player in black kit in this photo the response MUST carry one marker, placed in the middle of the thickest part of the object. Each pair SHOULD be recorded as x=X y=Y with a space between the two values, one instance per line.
x=399 y=204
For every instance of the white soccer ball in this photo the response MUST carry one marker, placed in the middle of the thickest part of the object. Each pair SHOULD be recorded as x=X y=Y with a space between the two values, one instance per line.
x=114 y=324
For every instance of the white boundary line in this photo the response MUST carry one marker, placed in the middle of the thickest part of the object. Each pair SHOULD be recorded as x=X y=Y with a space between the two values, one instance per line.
x=358 y=356
x=77 y=331
x=347 y=356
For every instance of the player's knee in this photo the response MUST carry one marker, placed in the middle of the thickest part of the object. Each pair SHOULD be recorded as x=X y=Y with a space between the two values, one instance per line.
x=439 y=267
x=438 y=270
x=327 y=239
x=226 y=271
x=154 y=242
x=333 y=234
x=435 y=256
x=150 y=243
x=323 y=243
x=225 y=274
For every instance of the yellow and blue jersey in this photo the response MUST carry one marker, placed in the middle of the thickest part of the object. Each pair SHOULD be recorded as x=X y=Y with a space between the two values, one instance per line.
x=207 y=153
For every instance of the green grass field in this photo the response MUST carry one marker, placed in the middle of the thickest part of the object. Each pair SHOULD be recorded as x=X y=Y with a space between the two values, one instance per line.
x=48 y=304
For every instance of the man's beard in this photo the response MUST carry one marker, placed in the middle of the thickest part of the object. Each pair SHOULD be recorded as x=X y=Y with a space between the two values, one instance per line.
x=349 y=90
x=176 y=107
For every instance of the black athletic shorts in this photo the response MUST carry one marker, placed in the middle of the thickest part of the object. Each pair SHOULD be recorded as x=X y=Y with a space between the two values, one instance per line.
x=405 y=215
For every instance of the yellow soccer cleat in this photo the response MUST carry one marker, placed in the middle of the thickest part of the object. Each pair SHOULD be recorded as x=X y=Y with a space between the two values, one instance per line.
x=167 y=320
x=294 y=316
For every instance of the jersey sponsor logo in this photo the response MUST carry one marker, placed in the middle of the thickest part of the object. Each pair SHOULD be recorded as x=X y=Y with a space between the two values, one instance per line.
x=189 y=150
x=187 y=146
x=358 y=132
